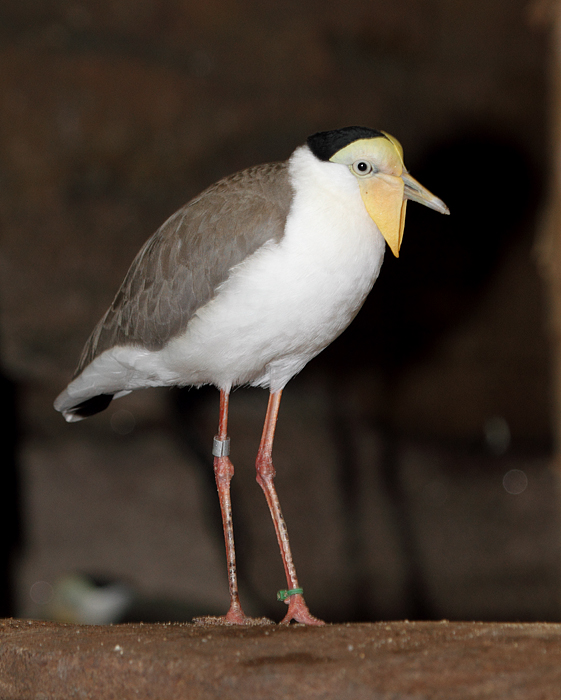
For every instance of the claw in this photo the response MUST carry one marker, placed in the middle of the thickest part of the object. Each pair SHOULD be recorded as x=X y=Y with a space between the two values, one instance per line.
x=298 y=611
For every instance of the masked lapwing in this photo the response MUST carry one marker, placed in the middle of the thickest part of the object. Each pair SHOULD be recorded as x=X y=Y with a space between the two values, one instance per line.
x=245 y=285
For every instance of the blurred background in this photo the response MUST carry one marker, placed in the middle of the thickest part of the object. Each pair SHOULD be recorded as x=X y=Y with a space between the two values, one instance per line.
x=416 y=456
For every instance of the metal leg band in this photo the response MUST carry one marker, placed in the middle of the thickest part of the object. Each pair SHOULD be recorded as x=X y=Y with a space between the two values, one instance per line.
x=221 y=448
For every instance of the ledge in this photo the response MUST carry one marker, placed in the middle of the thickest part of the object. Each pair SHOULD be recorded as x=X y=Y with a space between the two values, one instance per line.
x=397 y=660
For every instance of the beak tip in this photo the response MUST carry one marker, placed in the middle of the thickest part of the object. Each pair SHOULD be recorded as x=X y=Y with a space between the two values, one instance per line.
x=438 y=205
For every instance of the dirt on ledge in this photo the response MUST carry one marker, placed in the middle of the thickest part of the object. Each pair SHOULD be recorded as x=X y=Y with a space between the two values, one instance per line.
x=397 y=660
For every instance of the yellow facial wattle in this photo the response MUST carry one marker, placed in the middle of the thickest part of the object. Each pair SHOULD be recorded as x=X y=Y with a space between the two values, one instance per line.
x=386 y=186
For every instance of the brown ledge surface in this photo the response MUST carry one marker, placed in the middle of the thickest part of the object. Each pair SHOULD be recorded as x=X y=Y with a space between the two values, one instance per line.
x=397 y=661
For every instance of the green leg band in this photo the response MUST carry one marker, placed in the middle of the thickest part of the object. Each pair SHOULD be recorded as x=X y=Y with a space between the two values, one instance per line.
x=283 y=595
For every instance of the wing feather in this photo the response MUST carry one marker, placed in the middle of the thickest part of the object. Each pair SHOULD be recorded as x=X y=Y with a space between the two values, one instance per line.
x=180 y=267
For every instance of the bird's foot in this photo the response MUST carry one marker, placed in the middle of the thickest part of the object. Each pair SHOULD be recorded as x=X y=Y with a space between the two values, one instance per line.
x=234 y=616
x=298 y=611
x=225 y=621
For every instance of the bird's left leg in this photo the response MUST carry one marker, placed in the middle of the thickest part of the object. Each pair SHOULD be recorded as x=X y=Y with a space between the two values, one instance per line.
x=297 y=608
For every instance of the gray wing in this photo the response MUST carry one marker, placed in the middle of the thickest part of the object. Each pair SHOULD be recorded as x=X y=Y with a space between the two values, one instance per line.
x=180 y=267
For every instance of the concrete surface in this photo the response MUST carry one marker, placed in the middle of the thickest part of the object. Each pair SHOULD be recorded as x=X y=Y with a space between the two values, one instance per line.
x=397 y=660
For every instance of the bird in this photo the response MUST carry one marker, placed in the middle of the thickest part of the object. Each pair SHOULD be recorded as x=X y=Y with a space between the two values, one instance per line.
x=244 y=285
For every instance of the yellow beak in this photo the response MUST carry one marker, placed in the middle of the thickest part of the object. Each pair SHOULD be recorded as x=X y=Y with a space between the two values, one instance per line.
x=385 y=198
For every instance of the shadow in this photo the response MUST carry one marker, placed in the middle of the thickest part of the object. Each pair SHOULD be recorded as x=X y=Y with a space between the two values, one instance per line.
x=10 y=512
x=444 y=269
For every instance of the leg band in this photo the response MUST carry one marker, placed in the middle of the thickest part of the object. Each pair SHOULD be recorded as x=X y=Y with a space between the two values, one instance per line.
x=283 y=595
x=221 y=448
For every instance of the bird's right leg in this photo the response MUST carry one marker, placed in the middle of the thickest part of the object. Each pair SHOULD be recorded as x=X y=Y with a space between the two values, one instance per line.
x=223 y=472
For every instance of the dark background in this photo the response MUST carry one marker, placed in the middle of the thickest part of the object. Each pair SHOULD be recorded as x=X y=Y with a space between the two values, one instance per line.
x=413 y=455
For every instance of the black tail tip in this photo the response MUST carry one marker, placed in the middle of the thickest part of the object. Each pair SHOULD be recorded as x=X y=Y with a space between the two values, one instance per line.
x=92 y=406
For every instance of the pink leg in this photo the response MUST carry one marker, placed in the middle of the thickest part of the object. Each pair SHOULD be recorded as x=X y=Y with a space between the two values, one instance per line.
x=223 y=472
x=297 y=608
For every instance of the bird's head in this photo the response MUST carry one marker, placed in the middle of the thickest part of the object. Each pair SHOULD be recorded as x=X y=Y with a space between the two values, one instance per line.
x=376 y=160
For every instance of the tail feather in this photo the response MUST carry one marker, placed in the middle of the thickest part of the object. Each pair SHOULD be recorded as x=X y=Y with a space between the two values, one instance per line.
x=88 y=408
x=111 y=375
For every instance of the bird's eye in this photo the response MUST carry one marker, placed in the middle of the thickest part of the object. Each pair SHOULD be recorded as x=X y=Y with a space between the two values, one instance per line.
x=362 y=168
